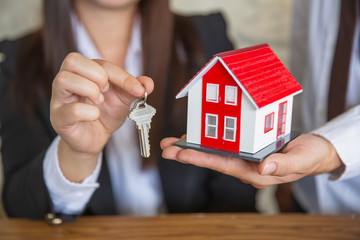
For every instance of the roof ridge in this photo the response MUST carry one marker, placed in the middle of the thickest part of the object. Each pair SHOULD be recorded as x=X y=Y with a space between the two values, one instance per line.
x=242 y=50
x=267 y=55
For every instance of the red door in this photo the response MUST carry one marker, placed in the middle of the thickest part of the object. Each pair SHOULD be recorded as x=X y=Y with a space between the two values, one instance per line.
x=221 y=104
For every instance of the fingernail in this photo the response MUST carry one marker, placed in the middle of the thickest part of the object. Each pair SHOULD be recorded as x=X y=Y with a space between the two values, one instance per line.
x=138 y=88
x=269 y=169
x=101 y=98
x=107 y=87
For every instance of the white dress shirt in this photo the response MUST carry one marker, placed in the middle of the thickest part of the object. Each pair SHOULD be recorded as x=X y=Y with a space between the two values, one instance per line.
x=136 y=191
x=315 y=32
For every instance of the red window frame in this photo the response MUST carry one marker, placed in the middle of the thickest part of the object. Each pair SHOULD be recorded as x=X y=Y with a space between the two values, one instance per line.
x=272 y=125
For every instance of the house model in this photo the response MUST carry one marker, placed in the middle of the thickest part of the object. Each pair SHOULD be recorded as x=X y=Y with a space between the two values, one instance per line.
x=240 y=104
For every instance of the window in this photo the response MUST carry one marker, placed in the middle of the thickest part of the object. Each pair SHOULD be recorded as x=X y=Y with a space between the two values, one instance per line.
x=230 y=129
x=231 y=95
x=269 y=122
x=212 y=92
x=211 y=125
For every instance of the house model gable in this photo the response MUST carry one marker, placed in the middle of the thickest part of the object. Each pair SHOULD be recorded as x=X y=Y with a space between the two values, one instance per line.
x=240 y=103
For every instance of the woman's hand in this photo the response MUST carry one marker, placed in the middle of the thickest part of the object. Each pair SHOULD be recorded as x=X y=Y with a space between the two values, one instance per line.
x=90 y=100
x=305 y=155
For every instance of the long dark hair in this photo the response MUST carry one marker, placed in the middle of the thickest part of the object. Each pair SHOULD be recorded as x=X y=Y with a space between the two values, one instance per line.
x=163 y=32
x=40 y=57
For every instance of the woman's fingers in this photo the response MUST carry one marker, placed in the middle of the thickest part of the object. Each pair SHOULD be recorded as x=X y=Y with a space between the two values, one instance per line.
x=67 y=84
x=147 y=83
x=295 y=158
x=134 y=87
x=306 y=155
x=227 y=165
x=167 y=142
x=121 y=78
x=222 y=164
x=72 y=113
x=277 y=168
x=87 y=68
x=76 y=69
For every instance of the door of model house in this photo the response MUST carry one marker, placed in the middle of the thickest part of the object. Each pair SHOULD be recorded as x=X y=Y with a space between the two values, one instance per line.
x=281 y=120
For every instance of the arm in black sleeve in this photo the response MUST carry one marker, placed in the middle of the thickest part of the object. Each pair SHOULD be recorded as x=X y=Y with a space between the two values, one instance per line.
x=24 y=142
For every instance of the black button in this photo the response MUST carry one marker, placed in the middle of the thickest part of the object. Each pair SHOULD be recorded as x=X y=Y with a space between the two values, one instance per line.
x=52 y=219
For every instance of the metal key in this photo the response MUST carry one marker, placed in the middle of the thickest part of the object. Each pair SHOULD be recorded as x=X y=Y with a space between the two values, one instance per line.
x=141 y=114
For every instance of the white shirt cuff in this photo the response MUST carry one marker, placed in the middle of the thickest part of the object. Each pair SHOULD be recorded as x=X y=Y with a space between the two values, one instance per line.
x=343 y=133
x=67 y=197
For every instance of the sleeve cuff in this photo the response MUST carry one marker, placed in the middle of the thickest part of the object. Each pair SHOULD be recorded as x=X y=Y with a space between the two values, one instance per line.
x=67 y=197
x=343 y=133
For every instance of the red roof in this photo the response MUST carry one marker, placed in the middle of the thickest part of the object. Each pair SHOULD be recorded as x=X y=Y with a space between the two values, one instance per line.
x=261 y=73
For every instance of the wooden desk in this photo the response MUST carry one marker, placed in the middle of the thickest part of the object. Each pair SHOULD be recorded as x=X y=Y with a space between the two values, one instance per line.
x=189 y=226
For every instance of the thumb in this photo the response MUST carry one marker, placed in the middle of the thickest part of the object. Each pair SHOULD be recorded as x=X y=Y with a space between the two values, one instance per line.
x=280 y=164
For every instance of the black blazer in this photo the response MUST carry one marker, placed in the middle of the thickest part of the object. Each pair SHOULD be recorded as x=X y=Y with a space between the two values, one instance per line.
x=186 y=188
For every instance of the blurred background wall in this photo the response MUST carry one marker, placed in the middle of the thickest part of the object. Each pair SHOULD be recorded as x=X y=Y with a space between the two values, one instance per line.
x=249 y=22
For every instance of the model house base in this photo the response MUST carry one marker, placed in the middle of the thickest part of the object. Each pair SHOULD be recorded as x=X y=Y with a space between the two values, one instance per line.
x=255 y=157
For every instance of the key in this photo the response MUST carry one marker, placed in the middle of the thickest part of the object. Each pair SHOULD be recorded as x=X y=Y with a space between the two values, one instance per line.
x=141 y=114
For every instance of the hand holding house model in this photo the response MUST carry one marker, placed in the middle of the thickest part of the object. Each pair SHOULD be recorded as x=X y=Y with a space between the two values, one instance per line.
x=240 y=104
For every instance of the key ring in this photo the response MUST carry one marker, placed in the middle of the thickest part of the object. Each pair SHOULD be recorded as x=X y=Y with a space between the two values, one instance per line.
x=145 y=96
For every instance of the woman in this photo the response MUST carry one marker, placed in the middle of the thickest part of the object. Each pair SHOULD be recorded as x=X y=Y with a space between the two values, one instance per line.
x=86 y=159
